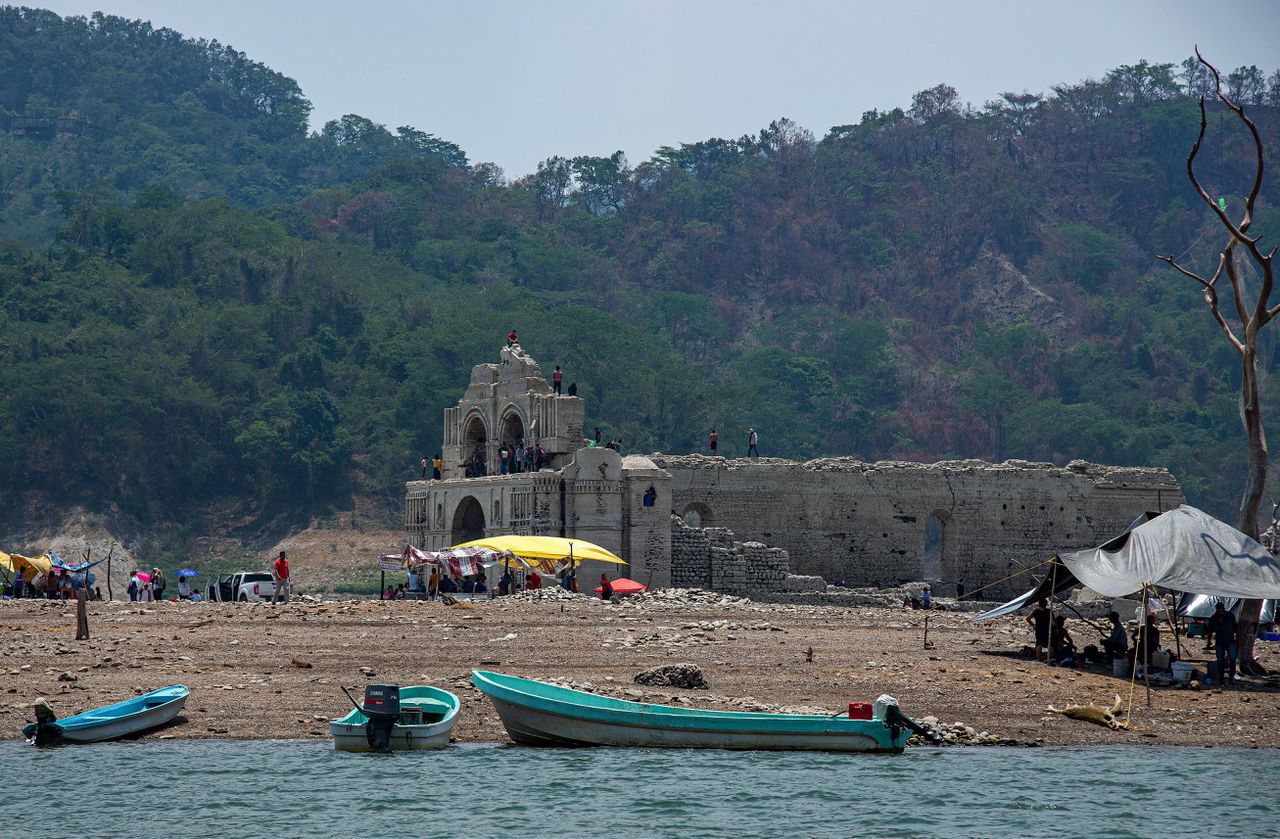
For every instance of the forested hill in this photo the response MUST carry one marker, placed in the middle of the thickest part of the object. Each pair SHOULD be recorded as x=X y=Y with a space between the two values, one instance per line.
x=207 y=311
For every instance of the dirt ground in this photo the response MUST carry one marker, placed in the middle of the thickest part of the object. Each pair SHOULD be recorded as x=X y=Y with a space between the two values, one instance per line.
x=262 y=671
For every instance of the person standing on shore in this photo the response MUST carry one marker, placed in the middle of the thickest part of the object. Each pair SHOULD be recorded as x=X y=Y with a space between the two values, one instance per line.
x=157 y=583
x=1223 y=625
x=1039 y=618
x=133 y=587
x=280 y=570
x=433 y=583
x=714 y=440
x=753 y=443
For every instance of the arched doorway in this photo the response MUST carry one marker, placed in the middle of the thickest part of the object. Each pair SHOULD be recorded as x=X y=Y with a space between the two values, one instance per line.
x=474 y=437
x=468 y=521
x=696 y=514
x=934 y=557
x=512 y=428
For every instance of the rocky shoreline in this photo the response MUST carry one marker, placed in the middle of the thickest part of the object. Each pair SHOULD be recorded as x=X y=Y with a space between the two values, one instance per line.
x=258 y=671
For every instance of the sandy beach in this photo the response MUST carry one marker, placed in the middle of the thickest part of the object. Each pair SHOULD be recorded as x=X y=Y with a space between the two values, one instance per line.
x=260 y=671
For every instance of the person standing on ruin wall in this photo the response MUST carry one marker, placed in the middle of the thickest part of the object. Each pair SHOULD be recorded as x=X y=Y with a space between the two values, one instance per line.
x=512 y=339
x=714 y=440
x=437 y=464
x=424 y=468
x=753 y=442
x=557 y=379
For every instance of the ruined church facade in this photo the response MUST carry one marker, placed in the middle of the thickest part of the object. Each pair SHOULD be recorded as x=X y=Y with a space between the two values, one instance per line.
x=838 y=518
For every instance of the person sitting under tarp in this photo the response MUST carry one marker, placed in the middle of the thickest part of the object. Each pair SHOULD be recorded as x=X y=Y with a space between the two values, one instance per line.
x=1116 y=644
x=1146 y=640
x=1062 y=649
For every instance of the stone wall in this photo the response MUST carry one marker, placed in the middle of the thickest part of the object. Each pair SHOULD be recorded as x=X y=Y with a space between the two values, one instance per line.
x=865 y=523
x=712 y=558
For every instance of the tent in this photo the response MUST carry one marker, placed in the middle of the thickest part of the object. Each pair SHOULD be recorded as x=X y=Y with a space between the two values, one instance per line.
x=1184 y=550
x=623 y=586
x=546 y=547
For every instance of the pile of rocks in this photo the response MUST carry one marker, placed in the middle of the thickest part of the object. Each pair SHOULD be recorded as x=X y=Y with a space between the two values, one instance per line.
x=959 y=734
x=538 y=595
x=673 y=675
x=683 y=597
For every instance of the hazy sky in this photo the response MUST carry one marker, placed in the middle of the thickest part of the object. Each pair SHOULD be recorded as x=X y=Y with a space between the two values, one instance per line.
x=516 y=82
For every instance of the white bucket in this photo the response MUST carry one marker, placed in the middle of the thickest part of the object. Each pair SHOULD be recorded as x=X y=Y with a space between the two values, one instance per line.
x=1182 y=671
x=1119 y=667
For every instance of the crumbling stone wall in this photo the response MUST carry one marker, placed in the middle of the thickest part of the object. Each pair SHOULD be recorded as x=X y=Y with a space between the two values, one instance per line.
x=865 y=523
x=712 y=558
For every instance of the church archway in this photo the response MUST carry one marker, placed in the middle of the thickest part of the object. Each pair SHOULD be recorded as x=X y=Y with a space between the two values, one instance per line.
x=512 y=427
x=474 y=436
x=468 y=521
x=696 y=514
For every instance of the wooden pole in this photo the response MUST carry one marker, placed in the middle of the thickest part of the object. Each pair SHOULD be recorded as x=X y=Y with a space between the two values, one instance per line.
x=1146 y=647
x=382 y=585
x=82 y=613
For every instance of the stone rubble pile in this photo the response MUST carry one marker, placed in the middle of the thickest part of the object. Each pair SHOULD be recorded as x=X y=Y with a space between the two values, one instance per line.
x=959 y=734
x=680 y=675
x=683 y=597
x=538 y=595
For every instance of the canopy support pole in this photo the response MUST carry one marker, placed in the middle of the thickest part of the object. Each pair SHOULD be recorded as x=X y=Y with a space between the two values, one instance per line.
x=382 y=585
x=1146 y=646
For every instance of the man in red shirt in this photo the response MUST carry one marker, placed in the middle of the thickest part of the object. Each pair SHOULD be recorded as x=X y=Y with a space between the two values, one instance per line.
x=714 y=439
x=281 y=572
x=557 y=379
x=533 y=581
x=512 y=338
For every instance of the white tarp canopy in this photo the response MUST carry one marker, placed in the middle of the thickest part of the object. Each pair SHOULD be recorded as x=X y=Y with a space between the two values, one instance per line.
x=1184 y=550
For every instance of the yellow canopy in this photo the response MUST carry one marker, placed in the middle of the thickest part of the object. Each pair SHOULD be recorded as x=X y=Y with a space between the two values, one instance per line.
x=546 y=547
x=29 y=565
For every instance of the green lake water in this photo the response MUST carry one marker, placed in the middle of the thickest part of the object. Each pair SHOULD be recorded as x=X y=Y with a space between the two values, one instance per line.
x=297 y=788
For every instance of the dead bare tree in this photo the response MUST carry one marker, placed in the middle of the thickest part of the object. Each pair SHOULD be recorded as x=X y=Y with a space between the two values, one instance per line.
x=1253 y=314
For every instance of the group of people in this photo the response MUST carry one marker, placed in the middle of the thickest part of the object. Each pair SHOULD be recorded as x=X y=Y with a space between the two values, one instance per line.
x=513 y=458
x=753 y=442
x=150 y=588
x=435 y=464
x=434 y=584
x=614 y=443
x=58 y=584
x=1053 y=641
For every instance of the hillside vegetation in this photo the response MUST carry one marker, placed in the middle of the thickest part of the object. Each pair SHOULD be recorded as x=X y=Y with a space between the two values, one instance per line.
x=206 y=310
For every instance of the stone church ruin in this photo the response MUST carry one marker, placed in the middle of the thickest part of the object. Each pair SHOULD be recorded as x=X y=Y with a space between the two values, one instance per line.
x=759 y=524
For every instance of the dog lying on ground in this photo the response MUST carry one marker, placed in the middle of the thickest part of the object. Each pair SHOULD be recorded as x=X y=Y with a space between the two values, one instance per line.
x=1095 y=714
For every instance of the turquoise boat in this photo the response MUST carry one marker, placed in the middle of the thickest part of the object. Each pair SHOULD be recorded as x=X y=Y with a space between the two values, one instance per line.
x=123 y=719
x=541 y=714
x=427 y=718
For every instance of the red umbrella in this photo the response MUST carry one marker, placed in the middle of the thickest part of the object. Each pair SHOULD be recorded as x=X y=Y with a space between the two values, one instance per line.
x=623 y=586
x=143 y=577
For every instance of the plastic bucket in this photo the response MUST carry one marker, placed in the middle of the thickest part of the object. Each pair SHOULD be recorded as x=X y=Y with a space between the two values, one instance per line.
x=1119 y=667
x=1182 y=671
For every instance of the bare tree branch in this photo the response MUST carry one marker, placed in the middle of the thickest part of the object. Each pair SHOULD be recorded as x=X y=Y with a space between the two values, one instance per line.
x=1210 y=297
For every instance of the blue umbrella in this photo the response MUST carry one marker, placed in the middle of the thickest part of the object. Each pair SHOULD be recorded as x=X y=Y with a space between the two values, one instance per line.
x=187 y=572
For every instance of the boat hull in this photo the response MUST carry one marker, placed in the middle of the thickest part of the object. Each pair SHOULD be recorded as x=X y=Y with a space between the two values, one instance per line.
x=542 y=714
x=532 y=727
x=124 y=719
x=349 y=737
x=440 y=706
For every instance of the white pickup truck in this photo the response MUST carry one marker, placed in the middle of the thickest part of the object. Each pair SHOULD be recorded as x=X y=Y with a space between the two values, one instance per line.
x=242 y=587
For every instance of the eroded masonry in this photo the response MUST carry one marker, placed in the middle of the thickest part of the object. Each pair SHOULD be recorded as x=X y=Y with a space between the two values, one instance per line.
x=762 y=523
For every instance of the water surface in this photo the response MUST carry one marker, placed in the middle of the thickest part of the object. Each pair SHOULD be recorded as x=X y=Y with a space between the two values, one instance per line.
x=305 y=788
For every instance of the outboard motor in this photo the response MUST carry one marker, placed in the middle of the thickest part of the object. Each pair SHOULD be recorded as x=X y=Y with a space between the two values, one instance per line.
x=887 y=711
x=47 y=732
x=382 y=707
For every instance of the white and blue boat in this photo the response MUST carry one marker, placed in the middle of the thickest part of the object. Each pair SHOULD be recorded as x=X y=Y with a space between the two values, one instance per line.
x=123 y=719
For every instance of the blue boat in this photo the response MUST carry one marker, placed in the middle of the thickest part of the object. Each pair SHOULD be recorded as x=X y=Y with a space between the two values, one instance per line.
x=542 y=714
x=132 y=716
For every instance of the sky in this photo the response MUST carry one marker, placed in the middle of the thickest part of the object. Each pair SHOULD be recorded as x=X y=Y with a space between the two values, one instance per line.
x=514 y=83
